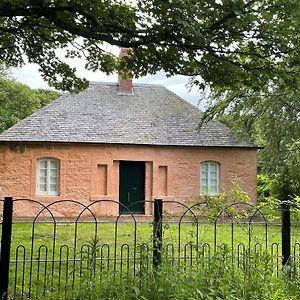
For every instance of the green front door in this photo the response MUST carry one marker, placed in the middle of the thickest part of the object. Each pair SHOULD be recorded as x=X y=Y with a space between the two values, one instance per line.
x=132 y=186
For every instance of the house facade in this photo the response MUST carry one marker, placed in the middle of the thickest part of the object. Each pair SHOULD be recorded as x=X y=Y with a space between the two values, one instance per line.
x=124 y=143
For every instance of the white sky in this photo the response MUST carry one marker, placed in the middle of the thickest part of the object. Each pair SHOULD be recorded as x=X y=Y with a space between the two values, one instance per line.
x=29 y=75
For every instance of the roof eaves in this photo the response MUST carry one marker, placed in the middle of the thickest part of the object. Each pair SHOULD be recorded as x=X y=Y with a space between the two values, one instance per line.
x=135 y=144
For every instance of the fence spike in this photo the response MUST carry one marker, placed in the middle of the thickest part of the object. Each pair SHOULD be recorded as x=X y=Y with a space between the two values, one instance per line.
x=286 y=233
x=5 y=246
x=157 y=232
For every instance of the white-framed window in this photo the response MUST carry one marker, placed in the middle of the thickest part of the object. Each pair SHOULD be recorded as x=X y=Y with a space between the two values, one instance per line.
x=209 y=178
x=48 y=176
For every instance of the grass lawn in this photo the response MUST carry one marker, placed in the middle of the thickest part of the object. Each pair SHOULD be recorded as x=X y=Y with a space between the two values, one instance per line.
x=64 y=254
x=130 y=235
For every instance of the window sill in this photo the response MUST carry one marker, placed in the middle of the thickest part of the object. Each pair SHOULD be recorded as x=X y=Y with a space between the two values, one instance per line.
x=46 y=196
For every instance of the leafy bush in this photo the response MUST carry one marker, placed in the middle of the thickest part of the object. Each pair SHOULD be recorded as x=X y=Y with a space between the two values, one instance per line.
x=264 y=186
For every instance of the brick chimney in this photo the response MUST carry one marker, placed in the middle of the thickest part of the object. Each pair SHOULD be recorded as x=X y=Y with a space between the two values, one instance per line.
x=125 y=82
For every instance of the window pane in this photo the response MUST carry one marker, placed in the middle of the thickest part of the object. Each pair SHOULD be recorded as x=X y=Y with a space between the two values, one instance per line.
x=53 y=187
x=43 y=187
x=43 y=180
x=53 y=172
x=53 y=180
x=53 y=164
x=203 y=181
x=204 y=189
x=213 y=190
x=43 y=172
x=213 y=182
x=213 y=167
x=213 y=176
x=43 y=164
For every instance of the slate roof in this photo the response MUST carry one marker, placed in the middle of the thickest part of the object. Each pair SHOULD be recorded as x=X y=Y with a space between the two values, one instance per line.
x=153 y=115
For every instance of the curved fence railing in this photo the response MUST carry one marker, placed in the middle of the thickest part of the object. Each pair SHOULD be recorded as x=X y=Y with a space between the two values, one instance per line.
x=60 y=246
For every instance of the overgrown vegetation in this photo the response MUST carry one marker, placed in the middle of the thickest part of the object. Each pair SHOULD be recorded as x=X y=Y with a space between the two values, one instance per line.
x=221 y=280
x=255 y=278
x=229 y=202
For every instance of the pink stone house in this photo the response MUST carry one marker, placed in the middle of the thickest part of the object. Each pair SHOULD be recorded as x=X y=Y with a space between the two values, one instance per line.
x=125 y=143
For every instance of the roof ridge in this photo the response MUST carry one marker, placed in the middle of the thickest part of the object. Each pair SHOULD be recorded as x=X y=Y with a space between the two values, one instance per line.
x=134 y=84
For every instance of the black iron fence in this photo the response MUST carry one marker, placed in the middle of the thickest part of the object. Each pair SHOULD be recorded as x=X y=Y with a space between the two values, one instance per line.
x=47 y=254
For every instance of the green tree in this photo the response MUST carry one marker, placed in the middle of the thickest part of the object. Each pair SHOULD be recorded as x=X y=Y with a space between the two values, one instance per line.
x=273 y=122
x=17 y=101
x=226 y=44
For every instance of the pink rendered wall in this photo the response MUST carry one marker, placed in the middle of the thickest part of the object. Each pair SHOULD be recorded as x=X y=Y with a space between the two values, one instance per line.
x=172 y=173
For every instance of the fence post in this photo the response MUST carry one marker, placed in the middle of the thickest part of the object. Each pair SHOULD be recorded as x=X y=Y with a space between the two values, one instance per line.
x=286 y=233
x=5 y=246
x=157 y=232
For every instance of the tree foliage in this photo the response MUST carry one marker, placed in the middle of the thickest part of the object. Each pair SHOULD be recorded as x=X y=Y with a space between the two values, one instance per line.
x=226 y=44
x=17 y=101
x=246 y=53
x=273 y=122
